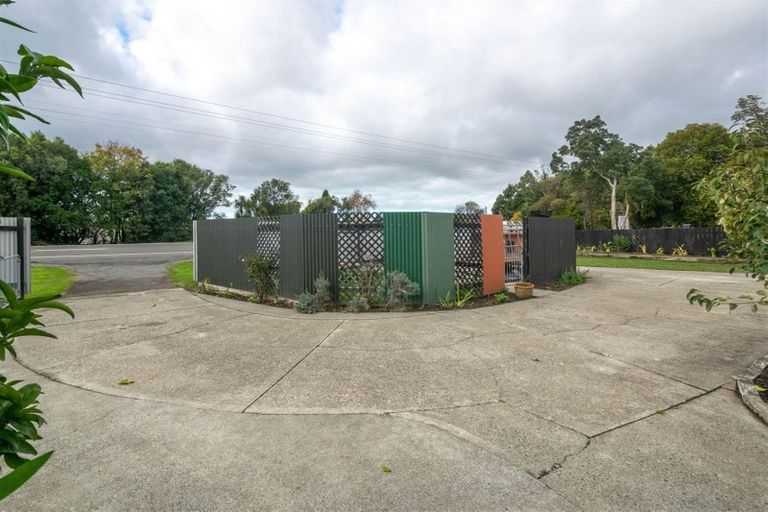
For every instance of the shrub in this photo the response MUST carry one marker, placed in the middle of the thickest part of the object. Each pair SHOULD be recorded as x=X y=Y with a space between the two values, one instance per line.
x=397 y=288
x=679 y=251
x=358 y=304
x=622 y=243
x=572 y=277
x=713 y=252
x=608 y=247
x=501 y=297
x=261 y=272
x=660 y=251
x=643 y=248
x=314 y=302
x=305 y=303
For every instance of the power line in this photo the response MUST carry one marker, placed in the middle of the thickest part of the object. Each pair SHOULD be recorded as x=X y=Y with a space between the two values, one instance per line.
x=265 y=124
x=292 y=119
x=197 y=133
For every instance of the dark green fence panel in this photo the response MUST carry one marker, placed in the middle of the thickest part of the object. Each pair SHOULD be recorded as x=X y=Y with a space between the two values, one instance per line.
x=402 y=244
x=222 y=244
x=421 y=245
x=308 y=247
x=438 y=256
x=549 y=247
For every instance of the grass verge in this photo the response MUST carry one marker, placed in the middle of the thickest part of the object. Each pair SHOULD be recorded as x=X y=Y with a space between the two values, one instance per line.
x=587 y=261
x=49 y=280
x=181 y=274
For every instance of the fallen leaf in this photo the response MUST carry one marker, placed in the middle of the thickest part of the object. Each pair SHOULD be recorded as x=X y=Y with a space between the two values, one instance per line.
x=125 y=382
x=385 y=468
x=535 y=360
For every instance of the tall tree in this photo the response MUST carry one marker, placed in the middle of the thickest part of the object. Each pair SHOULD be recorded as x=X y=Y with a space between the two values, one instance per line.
x=326 y=203
x=592 y=150
x=518 y=197
x=59 y=199
x=121 y=198
x=272 y=197
x=358 y=202
x=688 y=156
x=469 y=207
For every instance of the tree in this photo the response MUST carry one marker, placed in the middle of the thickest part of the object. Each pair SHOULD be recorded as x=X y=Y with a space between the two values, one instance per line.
x=688 y=156
x=272 y=197
x=646 y=188
x=469 y=207
x=121 y=199
x=518 y=197
x=358 y=202
x=739 y=189
x=326 y=203
x=59 y=198
x=598 y=152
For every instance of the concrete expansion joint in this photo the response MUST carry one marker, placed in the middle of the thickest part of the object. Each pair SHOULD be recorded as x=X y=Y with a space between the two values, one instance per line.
x=67 y=323
x=297 y=363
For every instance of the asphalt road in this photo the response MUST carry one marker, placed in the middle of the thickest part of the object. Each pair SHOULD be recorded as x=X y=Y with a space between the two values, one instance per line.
x=109 y=268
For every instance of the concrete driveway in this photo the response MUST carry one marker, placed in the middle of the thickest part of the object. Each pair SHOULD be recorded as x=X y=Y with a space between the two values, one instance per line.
x=114 y=268
x=613 y=395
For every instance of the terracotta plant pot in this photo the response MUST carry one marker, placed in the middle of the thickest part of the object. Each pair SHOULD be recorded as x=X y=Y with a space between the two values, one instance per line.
x=524 y=290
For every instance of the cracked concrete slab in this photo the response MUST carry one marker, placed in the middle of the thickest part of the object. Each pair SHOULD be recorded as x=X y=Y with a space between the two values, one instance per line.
x=523 y=439
x=355 y=381
x=220 y=365
x=119 y=454
x=466 y=401
x=705 y=455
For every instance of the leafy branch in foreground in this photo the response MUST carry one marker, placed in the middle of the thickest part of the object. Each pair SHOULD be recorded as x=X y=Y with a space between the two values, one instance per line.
x=739 y=189
x=19 y=415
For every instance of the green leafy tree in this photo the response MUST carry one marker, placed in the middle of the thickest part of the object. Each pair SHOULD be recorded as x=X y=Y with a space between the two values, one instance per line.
x=646 y=188
x=272 y=197
x=60 y=196
x=326 y=203
x=592 y=150
x=739 y=188
x=469 y=207
x=19 y=415
x=518 y=197
x=358 y=202
x=121 y=199
x=688 y=156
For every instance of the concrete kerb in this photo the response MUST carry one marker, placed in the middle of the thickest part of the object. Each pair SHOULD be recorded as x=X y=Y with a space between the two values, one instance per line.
x=746 y=388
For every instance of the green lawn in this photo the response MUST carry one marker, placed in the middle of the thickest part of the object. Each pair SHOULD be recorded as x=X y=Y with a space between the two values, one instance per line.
x=181 y=274
x=49 y=280
x=589 y=261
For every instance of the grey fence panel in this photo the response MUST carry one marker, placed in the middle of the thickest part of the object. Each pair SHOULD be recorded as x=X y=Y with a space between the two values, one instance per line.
x=696 y=241
x=221 y=245
x=15 y=248
x=308 y=247
x=549 y=248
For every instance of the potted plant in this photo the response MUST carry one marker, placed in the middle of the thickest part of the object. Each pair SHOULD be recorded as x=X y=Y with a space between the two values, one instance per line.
x=524 y=290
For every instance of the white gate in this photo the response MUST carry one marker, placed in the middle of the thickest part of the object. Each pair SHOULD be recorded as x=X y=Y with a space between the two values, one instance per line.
x=513 y=252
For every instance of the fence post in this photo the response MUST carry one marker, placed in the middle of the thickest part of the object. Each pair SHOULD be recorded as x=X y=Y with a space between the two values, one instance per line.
x=194 y=250
x=21 y=253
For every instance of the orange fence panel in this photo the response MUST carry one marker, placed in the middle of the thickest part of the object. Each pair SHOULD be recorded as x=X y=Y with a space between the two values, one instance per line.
x=492 y=238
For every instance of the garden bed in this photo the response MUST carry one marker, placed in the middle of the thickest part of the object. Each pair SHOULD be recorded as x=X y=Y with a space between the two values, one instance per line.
x=245 y=296
x=658 y=257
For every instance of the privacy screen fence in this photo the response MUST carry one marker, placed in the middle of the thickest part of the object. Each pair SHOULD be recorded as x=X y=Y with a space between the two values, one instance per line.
x=696 y=241
x=355 y=250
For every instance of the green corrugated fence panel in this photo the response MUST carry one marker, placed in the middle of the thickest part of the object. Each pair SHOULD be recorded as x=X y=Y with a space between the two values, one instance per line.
x=438 y=259
x=403 y=244
x=308 y=247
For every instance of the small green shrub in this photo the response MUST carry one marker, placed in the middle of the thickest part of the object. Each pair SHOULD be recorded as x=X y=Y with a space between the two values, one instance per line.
x=660 y=251
x=608 y=247
x=622 y=243
x=643 y=248
x=314 y=302
x=501 y=297
x=261 y=272
x=305 y=303
x=713 y=252
x=358 y=304
x=463 y=296
x=447 y=301
x=572 y=277
x=679 y=251
x=397 y=288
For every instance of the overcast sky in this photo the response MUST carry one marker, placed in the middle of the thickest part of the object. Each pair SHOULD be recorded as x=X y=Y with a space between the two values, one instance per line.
x=455 y=98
